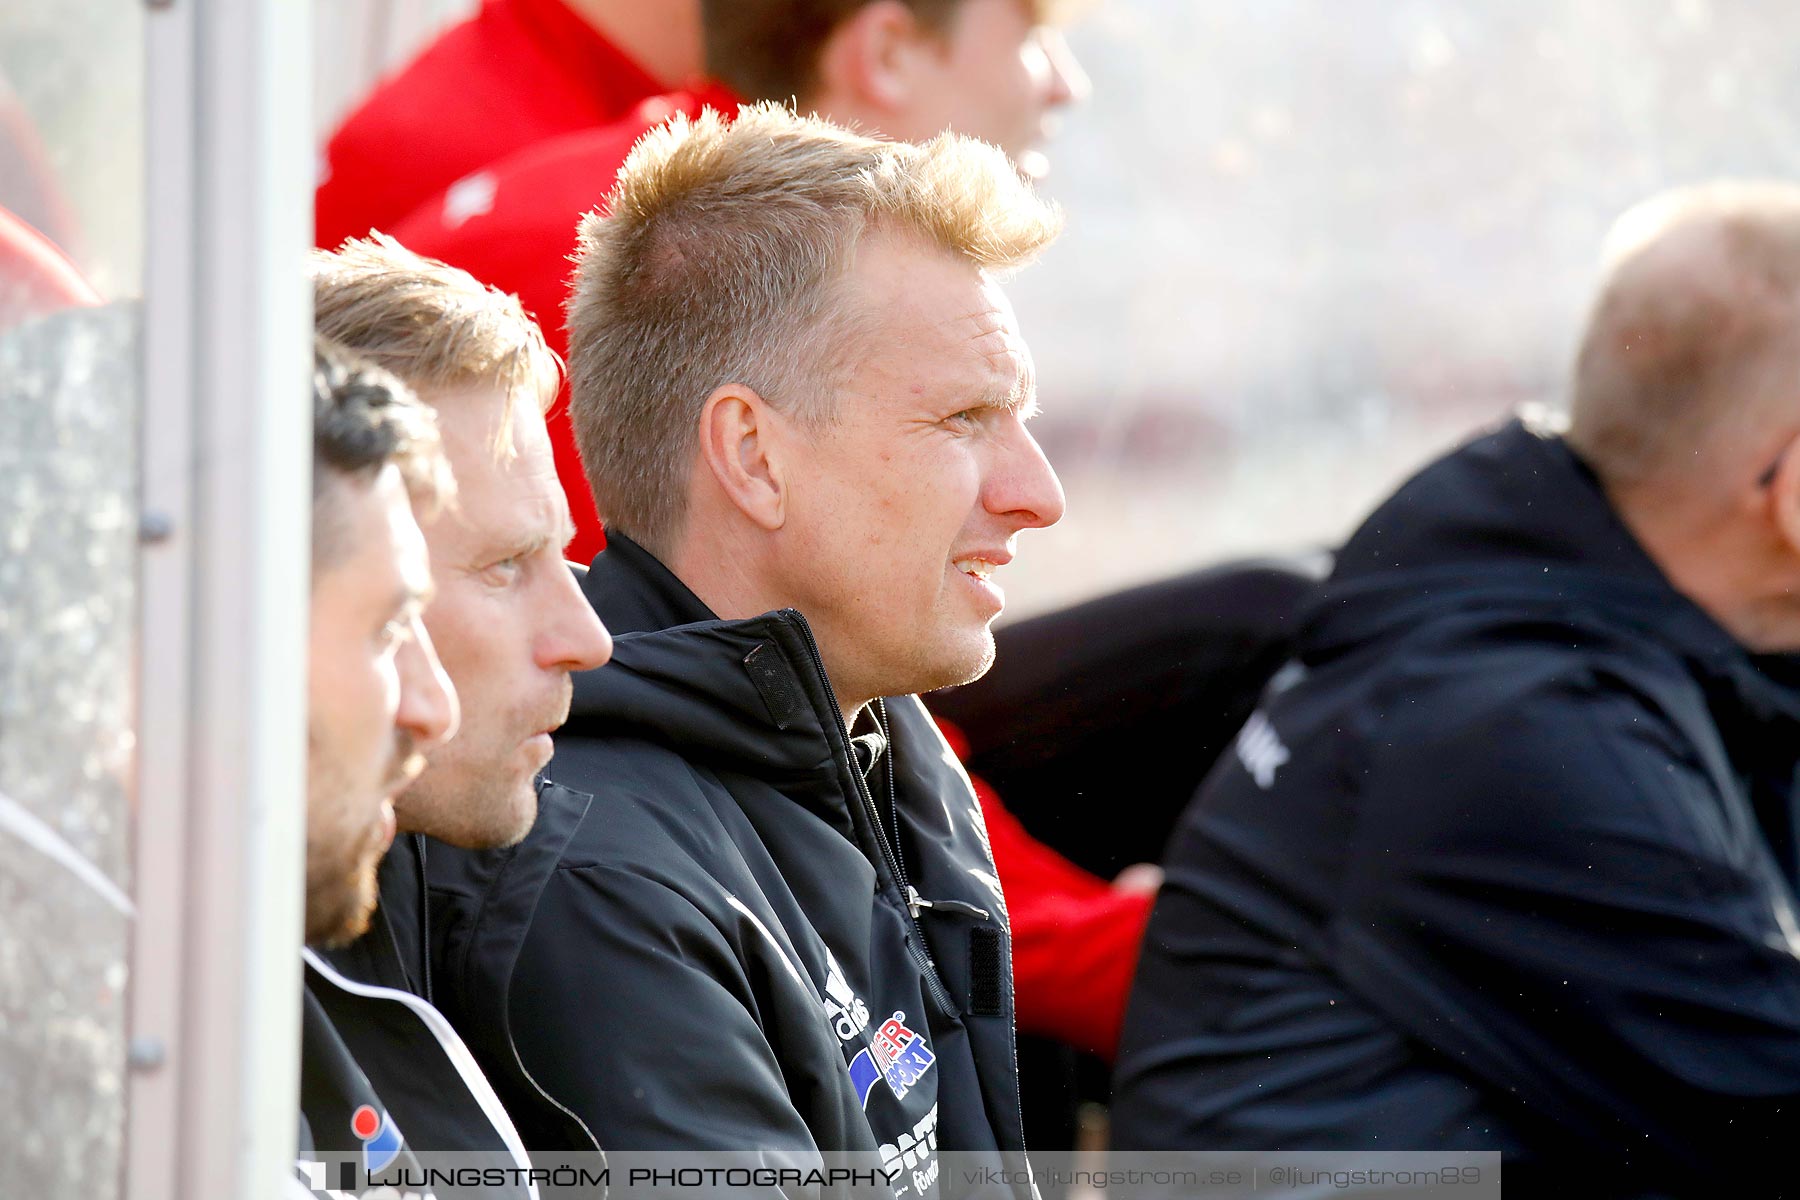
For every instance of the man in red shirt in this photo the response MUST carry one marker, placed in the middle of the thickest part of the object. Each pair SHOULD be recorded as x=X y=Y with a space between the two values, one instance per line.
x=515 y=73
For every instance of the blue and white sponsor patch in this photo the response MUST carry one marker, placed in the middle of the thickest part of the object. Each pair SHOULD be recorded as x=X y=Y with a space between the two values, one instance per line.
x=895 y=1053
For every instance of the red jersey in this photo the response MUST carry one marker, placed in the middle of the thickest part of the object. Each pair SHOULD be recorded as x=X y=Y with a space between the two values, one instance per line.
x=515 y=73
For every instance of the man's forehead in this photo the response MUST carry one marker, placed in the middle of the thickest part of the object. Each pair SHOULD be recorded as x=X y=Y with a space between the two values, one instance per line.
x=981 y=344
x=518 y=509
x=939 y=314
x=533 y=523
x=482 y=420
x=524 y=467
x=990 y=339
x=384 y=557
x=993 y=332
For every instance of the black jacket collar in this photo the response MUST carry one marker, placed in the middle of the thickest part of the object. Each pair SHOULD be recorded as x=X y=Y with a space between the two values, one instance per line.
x=392 y=952
x=1517 y=495
x=632 y=591
x=742 y=696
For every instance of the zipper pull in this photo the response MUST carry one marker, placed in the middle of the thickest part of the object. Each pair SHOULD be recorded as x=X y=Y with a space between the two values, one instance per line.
x=915 y=902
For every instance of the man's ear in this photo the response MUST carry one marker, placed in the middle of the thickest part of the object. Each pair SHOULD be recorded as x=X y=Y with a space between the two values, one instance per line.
x=742 y=445
x=872 y=58
x=1782 y=494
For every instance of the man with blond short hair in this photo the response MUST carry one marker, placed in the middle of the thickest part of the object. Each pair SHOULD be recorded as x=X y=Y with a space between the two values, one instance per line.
x=507 y=617
x=1507 y=859
x=802 y=396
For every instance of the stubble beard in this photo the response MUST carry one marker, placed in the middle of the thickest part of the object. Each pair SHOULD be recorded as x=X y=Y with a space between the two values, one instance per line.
x=476 y=810
x=341 y=883
x=952 y=665
x=478 y=795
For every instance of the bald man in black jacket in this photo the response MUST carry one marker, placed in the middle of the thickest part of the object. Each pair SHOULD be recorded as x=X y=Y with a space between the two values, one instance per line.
x=1506 y=857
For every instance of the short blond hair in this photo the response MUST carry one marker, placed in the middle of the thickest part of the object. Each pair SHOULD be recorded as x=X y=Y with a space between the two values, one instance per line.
x=434 y=326
x=1694 y=337
x=716 y=261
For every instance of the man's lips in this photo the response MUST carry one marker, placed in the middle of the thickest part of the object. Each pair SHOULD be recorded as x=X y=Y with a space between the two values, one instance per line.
x=981 y=564
x=542 y=743
x=554 y=718
x=978 y=567
x=405 y=775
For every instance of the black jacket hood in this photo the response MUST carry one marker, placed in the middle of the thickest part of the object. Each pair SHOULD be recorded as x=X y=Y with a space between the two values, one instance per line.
x=722 y=693
x=689 y=678
x=1516 y=525
x=1517 y=498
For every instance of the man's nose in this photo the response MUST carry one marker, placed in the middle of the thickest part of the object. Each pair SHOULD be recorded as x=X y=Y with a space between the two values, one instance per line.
x=1022 y=484
x=570 y=634
x=428 y=710
x=1069 y=84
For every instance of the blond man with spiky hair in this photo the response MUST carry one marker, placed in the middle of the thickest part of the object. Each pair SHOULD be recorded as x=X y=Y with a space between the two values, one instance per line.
x=802 y=396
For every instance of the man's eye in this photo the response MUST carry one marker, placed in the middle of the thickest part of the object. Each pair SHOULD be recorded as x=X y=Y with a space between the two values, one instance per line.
x=963 y=419
x=502 y=572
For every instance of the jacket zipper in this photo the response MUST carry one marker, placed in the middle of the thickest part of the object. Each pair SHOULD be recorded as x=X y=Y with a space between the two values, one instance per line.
x=424 y=921
x=921 y=957
x=915 y=944
x=915 y=902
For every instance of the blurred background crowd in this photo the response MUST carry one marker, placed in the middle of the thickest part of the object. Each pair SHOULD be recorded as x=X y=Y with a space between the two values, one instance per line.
x=1309 y=244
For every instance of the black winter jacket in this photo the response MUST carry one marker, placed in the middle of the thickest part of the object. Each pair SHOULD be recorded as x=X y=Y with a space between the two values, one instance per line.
x=389 y=1090
x=398 y=952
x=717 y=950
x=1505 y=860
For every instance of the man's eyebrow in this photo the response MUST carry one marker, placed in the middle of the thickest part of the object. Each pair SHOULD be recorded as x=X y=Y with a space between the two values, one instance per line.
x=554 y=538
x=1019 y=396
x=526 y=544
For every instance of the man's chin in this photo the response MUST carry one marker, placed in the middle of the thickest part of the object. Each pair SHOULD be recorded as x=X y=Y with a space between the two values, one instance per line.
x=510 y=826
x=343 y=913
x=972 y=657
x=470 y=817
